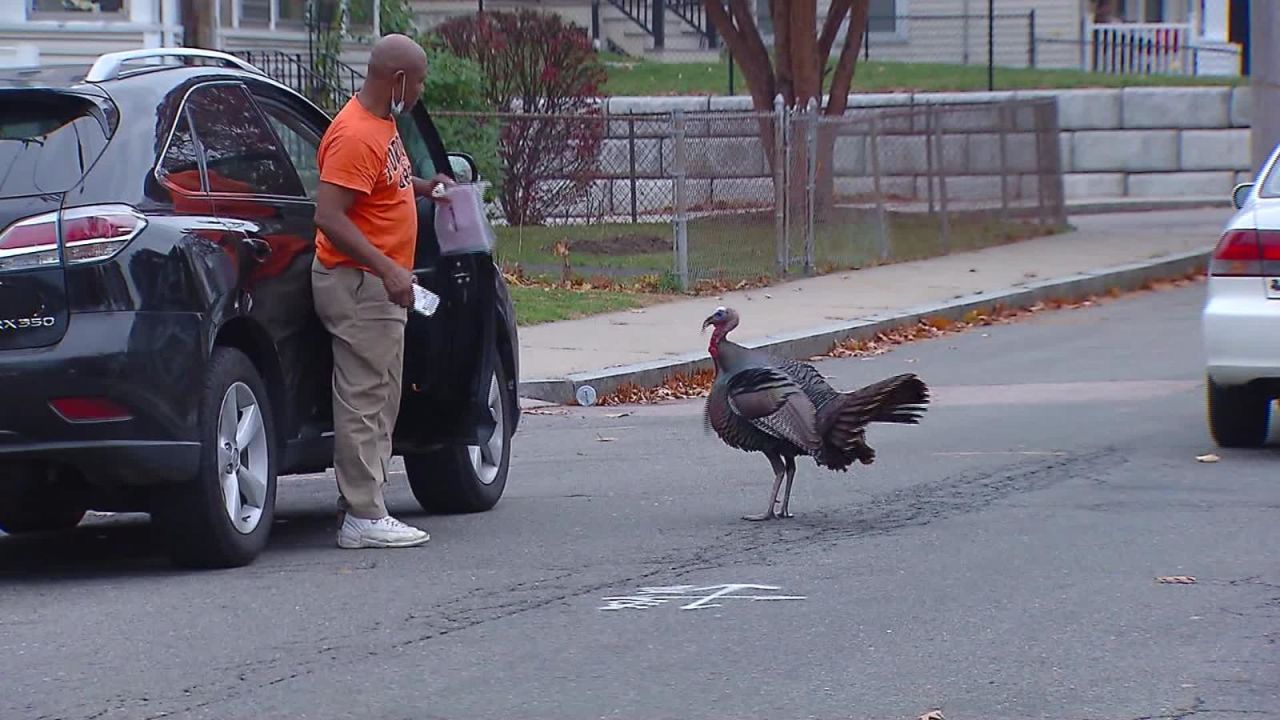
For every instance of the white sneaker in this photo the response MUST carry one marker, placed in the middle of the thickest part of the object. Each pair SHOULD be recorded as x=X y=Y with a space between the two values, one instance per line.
x=386 y=532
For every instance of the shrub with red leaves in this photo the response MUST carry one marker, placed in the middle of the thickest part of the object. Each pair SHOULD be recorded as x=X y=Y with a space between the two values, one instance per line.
x=543 y=70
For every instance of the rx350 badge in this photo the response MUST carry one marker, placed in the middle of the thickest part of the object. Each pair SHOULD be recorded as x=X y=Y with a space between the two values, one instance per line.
x=31 y=323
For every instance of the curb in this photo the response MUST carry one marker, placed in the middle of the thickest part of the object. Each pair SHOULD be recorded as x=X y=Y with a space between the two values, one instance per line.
x=819 y=340
x=1134 y=205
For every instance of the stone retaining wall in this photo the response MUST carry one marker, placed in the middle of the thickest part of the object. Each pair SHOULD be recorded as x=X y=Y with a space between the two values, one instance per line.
x=1115 y=143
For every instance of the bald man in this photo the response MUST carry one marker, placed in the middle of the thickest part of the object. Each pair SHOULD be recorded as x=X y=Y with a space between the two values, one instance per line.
x=362 y=282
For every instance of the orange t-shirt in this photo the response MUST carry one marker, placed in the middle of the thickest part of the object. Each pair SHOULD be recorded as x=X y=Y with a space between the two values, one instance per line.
x=363 y=152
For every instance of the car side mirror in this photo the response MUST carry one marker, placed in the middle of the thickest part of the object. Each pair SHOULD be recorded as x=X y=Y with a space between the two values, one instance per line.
x=1241 y=194
x=464 y=168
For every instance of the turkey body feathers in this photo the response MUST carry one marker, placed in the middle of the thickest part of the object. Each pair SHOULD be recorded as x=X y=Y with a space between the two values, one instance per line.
x=764 y=404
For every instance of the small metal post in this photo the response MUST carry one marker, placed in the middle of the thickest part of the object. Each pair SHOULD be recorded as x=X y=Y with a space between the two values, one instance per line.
x=928 y=152
x=1004 y=162
x=789 y=115
x=942 y=188
x=811 y=183
x=991 y=45
x=631 y=174
x=681 y=209
x=731 y=72
x=780 y=156
x=874 y=152
x=659 y=24
x=595 y=20
x=1031 y=38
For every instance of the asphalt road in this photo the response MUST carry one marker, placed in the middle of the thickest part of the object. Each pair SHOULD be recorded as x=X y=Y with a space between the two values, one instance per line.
x=998 y=561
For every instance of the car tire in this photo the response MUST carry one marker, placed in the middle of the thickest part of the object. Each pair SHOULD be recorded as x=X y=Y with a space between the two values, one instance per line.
x=467 y=479
x=1239 y=417
x=223 y=516
x=30 y=503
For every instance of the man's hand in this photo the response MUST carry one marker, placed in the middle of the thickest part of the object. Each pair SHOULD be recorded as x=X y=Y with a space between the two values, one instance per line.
x=399 y=284
x=434 y=188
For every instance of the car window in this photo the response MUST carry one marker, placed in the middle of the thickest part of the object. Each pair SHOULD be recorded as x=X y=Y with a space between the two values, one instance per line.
x=300 y=143
x=416 y=146
x=242 y=155
x=47 y=141
x=180 y=166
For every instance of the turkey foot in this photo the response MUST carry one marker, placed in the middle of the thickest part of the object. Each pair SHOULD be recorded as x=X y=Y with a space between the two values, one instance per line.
x=762 y=516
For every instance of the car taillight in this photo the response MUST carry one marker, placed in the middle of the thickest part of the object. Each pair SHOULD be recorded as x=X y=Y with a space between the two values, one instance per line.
x=1242 y=253
x=89 y=233
x=89 y=409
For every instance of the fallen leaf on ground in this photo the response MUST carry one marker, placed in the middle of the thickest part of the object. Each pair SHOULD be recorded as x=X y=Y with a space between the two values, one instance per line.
x=1176 y=580
x=1210 y=458
x=601 y=438
x=935 y=715
x=618 y=415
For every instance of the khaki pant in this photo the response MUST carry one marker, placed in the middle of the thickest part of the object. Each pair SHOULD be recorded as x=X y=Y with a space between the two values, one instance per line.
x=368 y=357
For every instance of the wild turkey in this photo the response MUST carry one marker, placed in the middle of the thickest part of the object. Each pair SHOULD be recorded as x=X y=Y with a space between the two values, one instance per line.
x=784 y=408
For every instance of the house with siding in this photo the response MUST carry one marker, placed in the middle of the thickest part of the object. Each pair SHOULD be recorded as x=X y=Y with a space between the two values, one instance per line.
x=1129 y=36
x=35 y=32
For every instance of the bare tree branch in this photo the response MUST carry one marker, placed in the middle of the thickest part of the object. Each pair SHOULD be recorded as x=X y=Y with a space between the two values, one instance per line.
x=843 y=79
x=835 y=16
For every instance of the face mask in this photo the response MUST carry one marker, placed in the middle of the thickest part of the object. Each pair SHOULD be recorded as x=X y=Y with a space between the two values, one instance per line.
x=397 y=106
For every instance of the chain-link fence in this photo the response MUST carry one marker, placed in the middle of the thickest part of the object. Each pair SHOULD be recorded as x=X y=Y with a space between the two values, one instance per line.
x=577 y=198
x=689 y=200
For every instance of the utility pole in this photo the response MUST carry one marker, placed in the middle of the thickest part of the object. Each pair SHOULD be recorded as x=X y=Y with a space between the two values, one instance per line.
x=1264 y=68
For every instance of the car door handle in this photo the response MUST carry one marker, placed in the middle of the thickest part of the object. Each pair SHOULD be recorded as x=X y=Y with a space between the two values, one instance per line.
x=258 y=248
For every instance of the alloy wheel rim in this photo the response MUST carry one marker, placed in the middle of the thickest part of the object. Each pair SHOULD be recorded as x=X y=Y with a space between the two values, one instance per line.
x=486 y=458
x=242 y=458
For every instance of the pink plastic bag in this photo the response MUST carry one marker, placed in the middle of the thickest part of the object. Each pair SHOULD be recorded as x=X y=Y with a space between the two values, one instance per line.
x=461 y=225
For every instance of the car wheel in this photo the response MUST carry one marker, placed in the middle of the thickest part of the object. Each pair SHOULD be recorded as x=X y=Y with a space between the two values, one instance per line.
x=223 y=516
x=30 y=503
x=1238 y=416
x=468 y=478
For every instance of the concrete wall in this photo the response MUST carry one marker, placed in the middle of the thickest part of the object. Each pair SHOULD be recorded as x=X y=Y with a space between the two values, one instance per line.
x=1115 y=143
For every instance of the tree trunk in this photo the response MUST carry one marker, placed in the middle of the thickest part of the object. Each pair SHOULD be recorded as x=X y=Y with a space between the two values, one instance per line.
x=197 y=24
x=841 y=85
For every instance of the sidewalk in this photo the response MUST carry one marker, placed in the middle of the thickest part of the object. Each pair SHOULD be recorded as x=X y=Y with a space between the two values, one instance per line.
x=634 y=345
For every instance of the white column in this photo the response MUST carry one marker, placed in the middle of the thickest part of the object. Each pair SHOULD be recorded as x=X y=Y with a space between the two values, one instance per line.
x=1216 y=16
x=1216 y=56
x=147 y=12
x=172 y=18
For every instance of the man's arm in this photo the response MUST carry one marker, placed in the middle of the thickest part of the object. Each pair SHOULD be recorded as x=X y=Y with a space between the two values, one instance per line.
x=332 y=202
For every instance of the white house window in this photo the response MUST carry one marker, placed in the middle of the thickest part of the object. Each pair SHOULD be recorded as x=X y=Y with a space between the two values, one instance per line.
x=255 y=13
x=293 y=13
x=883 y=16
x=85 y=7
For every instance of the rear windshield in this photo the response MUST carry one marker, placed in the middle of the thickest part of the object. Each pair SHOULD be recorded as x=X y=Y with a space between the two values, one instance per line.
x=47 y=141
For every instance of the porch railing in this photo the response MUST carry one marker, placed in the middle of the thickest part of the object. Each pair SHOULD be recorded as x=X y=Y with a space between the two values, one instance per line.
x=1140 y=49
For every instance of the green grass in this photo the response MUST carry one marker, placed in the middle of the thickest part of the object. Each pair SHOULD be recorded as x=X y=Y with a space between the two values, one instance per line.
x=730 y=249
x=633 y=76
x=535 y=305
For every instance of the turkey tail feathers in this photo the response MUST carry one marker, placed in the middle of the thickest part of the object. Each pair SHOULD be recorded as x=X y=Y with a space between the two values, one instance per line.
x=899 y=399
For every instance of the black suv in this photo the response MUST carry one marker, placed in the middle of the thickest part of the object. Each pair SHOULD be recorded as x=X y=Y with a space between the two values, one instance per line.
x=159 y=351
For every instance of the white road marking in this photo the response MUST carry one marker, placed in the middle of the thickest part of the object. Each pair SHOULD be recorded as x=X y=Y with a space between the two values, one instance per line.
x=702 y=596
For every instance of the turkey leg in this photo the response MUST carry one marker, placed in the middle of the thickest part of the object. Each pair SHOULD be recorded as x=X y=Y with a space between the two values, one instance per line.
x=786 y=497
x=779 y=470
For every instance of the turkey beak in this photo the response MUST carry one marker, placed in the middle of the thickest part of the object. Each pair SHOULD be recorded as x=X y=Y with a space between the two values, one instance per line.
x=707 y=323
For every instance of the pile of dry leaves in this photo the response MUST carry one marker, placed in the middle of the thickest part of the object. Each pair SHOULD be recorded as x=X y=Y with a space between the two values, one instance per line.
x=681 y=386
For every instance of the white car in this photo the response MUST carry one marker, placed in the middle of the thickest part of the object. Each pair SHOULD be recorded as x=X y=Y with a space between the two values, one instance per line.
x=1241 y=319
